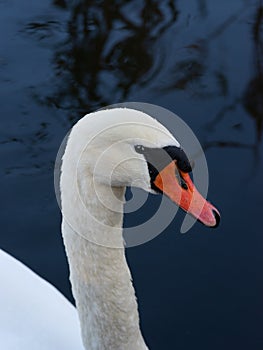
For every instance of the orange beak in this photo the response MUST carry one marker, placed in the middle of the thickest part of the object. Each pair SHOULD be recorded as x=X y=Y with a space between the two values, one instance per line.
x=179 y=187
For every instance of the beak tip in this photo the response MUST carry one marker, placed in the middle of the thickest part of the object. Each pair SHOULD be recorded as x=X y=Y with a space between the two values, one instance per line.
x=217 y=218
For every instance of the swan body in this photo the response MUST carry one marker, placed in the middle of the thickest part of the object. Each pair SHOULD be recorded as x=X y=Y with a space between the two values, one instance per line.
x=33 y=314
x=105 y=152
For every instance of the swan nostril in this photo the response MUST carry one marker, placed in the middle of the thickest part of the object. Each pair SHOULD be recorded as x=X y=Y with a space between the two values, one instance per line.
x=184 y=184
x=181 y=180
x=217 y=217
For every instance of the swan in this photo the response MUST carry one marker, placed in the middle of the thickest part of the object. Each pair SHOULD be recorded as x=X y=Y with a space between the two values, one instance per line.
x=106 y=151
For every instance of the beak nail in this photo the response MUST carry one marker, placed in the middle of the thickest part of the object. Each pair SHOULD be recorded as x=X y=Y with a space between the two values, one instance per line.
x=217 y=217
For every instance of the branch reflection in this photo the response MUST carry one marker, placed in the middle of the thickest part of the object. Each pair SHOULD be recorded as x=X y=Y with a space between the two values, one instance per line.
x=253 y=96
x=110 y=50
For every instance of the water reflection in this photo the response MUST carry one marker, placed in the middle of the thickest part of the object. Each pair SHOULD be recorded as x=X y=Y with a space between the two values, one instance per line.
x=202 y=7
x=191 y=67
x=253 y=96
x=113 y=48
x=109 y=51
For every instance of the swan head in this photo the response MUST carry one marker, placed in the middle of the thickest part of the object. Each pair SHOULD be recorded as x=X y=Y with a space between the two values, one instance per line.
x=123 y=147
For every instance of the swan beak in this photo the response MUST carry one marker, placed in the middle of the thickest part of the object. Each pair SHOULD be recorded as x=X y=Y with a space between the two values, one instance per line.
x=178 y=186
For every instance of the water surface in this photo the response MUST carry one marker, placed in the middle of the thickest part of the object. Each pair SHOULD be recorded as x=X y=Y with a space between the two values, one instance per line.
x=202 y=60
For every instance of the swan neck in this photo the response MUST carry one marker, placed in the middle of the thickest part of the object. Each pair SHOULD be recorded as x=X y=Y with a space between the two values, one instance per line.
x=99 y=274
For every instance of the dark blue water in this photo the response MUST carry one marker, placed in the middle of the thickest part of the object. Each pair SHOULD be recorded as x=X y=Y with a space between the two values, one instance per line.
x=202 y=60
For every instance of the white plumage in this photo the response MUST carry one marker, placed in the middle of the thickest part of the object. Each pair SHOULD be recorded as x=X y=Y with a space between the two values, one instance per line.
x=33 y=314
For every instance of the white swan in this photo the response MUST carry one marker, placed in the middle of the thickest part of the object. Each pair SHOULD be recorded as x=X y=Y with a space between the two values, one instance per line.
x=106 y=151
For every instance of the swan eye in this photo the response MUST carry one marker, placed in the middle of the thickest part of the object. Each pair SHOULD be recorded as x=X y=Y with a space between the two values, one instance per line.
x=139 y=149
